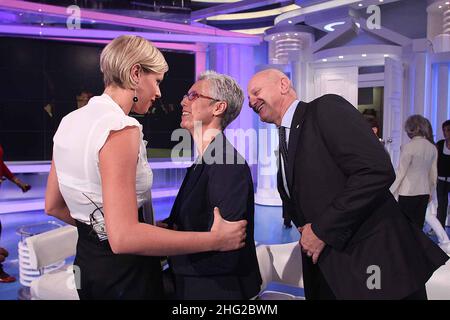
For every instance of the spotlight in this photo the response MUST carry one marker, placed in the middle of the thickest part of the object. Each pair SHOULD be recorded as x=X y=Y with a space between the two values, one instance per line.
x=341 y=57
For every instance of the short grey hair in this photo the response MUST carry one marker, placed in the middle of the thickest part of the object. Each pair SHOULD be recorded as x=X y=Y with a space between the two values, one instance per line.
x=417 y=125
x=225 y=88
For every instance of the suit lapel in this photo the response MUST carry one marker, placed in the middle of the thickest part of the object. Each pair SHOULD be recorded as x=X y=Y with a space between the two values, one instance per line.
x=294 y=135
x=180 y=196
x=194 y=174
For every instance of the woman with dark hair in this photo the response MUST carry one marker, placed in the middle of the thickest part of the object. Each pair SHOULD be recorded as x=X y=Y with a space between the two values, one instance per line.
x=417 y=172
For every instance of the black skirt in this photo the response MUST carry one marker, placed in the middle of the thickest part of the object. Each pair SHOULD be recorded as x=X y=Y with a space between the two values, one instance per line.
x=415 y=208
x=102 y=275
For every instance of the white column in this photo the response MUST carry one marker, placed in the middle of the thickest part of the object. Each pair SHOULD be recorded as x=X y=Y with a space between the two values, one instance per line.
x=446 y=22
x=286 y=47
x=438 y=28
x=420 y=76
x=440 y=108
x=236 y=60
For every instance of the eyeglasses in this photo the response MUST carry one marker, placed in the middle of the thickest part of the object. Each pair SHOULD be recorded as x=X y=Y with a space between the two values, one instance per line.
x=191 y=96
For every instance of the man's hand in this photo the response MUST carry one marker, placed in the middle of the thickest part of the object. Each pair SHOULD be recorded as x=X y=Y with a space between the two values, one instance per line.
x=310 y=243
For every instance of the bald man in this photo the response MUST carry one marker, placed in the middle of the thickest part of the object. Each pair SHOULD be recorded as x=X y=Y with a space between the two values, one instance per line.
x=334 y=178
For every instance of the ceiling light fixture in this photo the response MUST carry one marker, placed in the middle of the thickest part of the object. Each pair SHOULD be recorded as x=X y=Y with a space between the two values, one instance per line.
x=330 y=26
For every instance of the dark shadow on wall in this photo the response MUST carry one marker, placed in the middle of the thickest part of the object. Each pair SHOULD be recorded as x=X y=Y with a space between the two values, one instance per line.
x=43 y=80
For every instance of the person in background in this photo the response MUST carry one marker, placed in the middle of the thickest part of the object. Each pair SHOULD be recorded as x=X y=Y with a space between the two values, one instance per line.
x=100 y=178
x=443 y=168
x=374 y=125
x=417 y=171
x=432 y=221
x=83 y=98
x=4 y=277
x=5 y=173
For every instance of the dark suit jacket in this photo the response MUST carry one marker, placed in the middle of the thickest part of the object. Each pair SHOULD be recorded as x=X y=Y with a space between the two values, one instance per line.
x=230 y=188
x=339 y=177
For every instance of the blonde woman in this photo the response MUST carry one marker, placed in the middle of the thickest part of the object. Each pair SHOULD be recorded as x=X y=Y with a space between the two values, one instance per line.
x=100 y=177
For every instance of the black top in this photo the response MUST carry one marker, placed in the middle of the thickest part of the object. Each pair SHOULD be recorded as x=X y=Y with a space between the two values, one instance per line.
x=443 y=160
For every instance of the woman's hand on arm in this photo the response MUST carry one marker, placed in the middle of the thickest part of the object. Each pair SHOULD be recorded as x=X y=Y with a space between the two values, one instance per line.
x=230 y=235
x=118 y=160
x=54 y=202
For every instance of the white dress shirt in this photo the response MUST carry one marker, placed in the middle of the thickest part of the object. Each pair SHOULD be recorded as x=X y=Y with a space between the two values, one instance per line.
x=77 y=142
x=286 y=122
x=417 y=171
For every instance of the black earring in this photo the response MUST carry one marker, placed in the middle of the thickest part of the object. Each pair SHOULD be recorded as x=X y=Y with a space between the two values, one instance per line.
x=135 y=98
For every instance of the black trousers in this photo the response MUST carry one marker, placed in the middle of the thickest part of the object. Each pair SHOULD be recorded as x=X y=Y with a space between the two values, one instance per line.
x=415 y=208
x=316 y=287
x=104 y=275
x=442 y=190
x=418 y=295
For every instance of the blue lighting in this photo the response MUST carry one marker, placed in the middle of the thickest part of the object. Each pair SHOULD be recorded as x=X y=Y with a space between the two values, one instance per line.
x=434 y=97
x=448 y=93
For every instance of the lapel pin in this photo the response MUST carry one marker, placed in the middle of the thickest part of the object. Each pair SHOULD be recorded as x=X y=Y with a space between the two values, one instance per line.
x=297 y=126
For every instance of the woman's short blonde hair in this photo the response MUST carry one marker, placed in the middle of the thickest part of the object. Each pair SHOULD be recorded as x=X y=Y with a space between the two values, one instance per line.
x=121 y=54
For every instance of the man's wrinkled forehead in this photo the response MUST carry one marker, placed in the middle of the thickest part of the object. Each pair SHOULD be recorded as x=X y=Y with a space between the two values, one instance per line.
x=258 y=81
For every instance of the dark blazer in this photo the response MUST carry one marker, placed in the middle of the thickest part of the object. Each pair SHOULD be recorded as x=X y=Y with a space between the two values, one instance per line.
x=339 y=177
x=227 y=185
